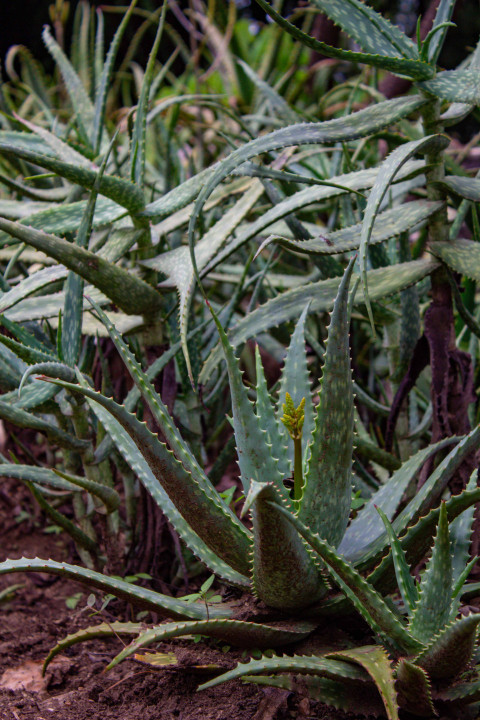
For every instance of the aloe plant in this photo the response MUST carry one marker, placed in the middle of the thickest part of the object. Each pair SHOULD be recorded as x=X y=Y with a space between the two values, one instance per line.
x=431 y=671
x=272 y=559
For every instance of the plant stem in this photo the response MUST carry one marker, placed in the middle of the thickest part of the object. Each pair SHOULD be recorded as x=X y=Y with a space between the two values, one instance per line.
x=297 y=468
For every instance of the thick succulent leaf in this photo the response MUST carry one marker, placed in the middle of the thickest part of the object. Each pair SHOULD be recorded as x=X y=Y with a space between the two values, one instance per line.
x=375 y=661
x=387 y=172
x=234 y=632
x=358 y=697
x=458 y=111
x=432 y=610
x=142 y=597
x=139 y=131
x=159 y=411
x=31 y=284
x=443 y=15
x=327 y=493
x=461 y=535
x=134 y=458
x=450 y=652
x=177 y=265
x=412 y=68
x=390 y=223
x=465 y=187
x=463 y=693
x=295 y=380
x=104 y=81
x=366 y=600
x=278 y=104
x=64 y=481
x=307 y=665
x=27 y=354
x=418 y=539
x=428 y=495
x=367 y=526
x=130 y=293
x=359 y=124
x=33 y=395
x=354 y=181
x=103 y=630
x=382 y=283
x=462 y=256
x=199 y=503
x=405 y=581
x=255 y=458
x=266 y=415
x=81 y=102
x=66 y=218
x=414 y=690
x=25 y=141
x=368 y=28
x=284 y=573
x=117 y=189
x=61 y=149
x=461 y=86
x=24 y=419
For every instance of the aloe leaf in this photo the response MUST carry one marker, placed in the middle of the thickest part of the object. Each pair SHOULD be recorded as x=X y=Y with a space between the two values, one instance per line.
x=81 y=102
x=367 y=526
x=460 y=86
x=432 y=610
x=428 y=495
x=142 y=597
x=295 y=380
x=390 y=223
x=235 y=632
x=284 y=574
x=308 y=665
x=127 y=291
x=177 y=265
x=405 y=581
x=79 y=537
x=105 y=78
x=382 y=283
x=443 y=15
x=153 y=399
x=414 y=690
x=450 y=652
x=133 y=457
x=65 y=218
x=366 y=600
x=465 y=692
x=327 y=493
x=201 y=506
x=31 y=284
x=465 y=187
x=24 y=419
x=356 y=125
x=386 y=174
x=103 y=630
x=61 y=149
x=121 y=191
x=25 y=141
x=415 y=69
x=33 y=395
x=255 y=458
x=277 y=102
x=461 y=535
x=354 y=696
x=140 y=124
x=27 y=354
x=266 y=415
x=375 y=661
x=368 y=28
x=462 y=256
x=62 y=481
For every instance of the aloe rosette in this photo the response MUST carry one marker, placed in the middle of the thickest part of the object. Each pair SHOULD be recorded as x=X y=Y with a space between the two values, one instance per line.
x=295 y=543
